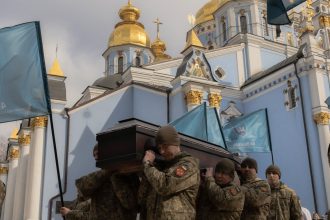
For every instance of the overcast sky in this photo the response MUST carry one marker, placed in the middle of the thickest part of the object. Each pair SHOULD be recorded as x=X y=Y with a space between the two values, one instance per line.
x=81 y=29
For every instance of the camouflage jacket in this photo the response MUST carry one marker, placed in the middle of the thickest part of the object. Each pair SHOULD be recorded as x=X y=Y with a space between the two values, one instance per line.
x=285 y=204
x=176 y=187
x=80 y=211
x=2 y=194
x=222 y=202
x=113 y=197
x=146 y=200
x=257 y=200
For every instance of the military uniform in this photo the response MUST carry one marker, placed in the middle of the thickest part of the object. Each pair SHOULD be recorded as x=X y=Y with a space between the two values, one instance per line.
x=284 y=204
x=176 y=188
x=112 y=197
x=80 y=211
x=257 y=200
x=2 y=194
x=225 y=202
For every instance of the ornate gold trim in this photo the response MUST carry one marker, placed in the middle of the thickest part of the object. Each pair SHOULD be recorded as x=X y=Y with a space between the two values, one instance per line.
x=24 y=139
x=194 y=97
x=40 y=122
x=322 y=118
x=3 y=170
x=14 y=153
x=214 y=100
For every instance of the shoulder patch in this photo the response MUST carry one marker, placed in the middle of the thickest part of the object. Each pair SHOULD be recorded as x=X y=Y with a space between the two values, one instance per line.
x=233 y=191
x=264 y=189
x=181 y=170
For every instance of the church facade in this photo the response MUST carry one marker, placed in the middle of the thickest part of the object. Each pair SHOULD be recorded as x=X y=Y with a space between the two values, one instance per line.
x=232 y=60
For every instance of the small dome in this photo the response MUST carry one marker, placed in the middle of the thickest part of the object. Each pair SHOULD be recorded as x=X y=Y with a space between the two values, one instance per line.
x=129 y=31
x=158 y=48
x=206 y=12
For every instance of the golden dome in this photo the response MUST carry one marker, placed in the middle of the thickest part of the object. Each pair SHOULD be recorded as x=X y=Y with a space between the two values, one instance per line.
x=129 y=31
x=158 y=48
x=206 y=12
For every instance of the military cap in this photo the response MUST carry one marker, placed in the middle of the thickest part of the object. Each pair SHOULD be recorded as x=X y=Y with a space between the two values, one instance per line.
x=250 y=162
x=273 y=169
x=167 y=135
x=226 y=166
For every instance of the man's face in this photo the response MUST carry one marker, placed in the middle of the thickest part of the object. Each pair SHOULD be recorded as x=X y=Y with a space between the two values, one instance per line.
x=96 y=154
x=273 y=178
x=248 y=172
x=222 y=178
x=168 y=151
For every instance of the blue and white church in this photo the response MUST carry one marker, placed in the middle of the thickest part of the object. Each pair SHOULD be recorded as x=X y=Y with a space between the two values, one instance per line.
x=232 y=60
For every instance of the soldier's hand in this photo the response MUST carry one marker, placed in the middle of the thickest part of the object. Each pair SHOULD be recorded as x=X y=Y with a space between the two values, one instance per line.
x=149 y=156
x=64 y=211
x=209 y=172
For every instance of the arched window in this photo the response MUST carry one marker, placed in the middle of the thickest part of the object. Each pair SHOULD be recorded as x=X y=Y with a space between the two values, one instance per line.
x=120 y=64
x=292 y=97
x=224 y=28
x=265 y=26
x=137 y=61
x=243 y=22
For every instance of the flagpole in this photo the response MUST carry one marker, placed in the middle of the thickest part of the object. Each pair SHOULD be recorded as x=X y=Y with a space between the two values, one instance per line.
x=221 y=131
x=56 y=159
x=269 y=137
x=43 y=66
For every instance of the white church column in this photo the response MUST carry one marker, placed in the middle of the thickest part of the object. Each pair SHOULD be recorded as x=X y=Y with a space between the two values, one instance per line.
x=4 y=172
x=24 y=140
x=13 y=156
x=33 y=190
x=3 y=177
x=193 y=96
x=322 y=120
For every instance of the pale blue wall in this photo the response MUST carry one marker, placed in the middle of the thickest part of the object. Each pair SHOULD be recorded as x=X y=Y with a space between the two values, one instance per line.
x=288 y=142
x=314 y=151
x=228 y=63
x=270 y=58
x=50 y=183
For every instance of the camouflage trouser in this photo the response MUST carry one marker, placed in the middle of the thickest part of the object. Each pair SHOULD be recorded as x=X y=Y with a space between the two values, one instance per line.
x=176 y=216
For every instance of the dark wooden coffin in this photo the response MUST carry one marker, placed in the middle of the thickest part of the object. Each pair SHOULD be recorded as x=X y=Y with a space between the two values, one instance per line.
x=122 y=147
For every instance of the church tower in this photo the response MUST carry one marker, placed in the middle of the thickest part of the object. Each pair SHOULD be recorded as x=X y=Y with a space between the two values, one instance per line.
x=129 y=43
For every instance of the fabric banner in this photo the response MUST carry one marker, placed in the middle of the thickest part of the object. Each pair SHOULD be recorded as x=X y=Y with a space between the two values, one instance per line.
x=277 y=11
x=23 y=79
x=202 y=123
x=248 y=133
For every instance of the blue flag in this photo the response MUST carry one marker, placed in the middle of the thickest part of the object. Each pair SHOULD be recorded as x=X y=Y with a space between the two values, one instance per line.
x=202 y=123
x=248 y=133
x=23 y=79
x=277 y=11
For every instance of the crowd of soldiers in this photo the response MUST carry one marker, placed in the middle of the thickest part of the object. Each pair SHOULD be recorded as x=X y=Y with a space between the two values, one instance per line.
x=175 y=189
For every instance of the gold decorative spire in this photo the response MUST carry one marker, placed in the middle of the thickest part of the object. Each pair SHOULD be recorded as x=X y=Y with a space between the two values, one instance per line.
x=14 y=134
x=158 y=47
x=56 y=69
x=307 y=24
x=129 y=30
x=192 y=40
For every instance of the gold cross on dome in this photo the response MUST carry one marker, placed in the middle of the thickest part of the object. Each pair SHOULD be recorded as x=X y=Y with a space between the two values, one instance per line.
x=158 y=23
